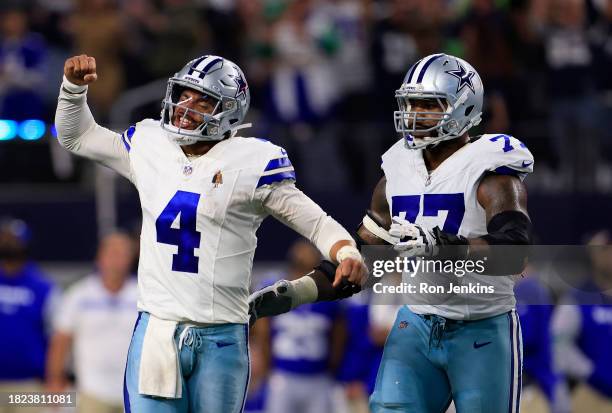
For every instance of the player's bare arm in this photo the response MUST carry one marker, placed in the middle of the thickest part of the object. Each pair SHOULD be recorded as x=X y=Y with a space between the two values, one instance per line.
x=378 y=219
x=504 y=196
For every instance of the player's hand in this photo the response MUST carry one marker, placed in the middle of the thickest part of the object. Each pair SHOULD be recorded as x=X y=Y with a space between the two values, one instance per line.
x=270 y=301
x=81 y=70
x=415 y=240
x=350 y=275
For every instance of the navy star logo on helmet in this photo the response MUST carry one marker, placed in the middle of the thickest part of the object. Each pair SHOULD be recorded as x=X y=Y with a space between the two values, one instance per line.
x=241 y=84
x=465 y=77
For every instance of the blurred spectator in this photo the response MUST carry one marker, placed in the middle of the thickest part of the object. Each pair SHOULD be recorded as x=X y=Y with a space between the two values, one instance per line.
x=97 y=318
x=302 y=347
x=485 y=35
x=179 y=35
x=582 y=326
x=534 y=307
x=601 y=36
x=26 y=304
x=394 y=51
x=562 y=24
x=145 y=21
x=303 y=88
x=303 y=91
x=258 y=382
x=98 y=30
x=361 y=357
x=22 y=63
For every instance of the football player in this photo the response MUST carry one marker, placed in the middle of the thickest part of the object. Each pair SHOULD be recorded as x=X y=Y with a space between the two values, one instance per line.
x=204 y=191
x=442 y=188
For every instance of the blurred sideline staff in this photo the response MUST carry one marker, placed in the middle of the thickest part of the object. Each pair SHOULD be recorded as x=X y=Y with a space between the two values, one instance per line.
x=96 y=319
x=582 y=329
x=27 y=299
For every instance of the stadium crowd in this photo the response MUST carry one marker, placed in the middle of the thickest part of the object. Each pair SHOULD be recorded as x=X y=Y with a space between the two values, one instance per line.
x=322 y=72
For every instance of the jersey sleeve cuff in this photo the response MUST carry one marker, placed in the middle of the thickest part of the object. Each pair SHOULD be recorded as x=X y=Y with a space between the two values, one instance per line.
x=70 y=87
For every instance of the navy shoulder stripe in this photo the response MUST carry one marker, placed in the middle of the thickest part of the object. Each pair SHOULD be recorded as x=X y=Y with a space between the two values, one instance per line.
x=278 y=163
x=270 y=179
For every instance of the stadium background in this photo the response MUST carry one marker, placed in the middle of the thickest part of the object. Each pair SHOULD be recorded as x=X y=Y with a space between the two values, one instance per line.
x=322 y=74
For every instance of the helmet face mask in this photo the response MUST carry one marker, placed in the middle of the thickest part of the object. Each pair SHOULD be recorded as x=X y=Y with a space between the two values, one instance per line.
x=450 y=94
x=213 y=78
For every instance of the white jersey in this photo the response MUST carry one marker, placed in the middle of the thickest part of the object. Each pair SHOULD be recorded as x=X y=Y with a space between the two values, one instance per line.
x=199 y=215
x=199 y=221
x=446 y=198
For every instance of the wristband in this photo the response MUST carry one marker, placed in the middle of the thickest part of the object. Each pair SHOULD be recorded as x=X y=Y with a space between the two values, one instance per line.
x=348 y=251
x=72 y=88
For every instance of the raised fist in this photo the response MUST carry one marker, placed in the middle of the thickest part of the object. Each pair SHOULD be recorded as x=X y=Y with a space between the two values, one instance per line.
x=80 y=70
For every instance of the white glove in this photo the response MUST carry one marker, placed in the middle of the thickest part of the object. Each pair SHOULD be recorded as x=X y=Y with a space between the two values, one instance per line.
x=415 y=240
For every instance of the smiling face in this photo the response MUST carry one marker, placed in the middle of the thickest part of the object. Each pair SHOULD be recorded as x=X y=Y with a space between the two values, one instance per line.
x=190 y=106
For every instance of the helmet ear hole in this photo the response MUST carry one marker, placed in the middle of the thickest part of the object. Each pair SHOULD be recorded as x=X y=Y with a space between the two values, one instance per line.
x=468 y=110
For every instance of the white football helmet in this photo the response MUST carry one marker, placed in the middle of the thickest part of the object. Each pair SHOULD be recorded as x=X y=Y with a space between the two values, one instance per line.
x=219 y=79
x=457 y=88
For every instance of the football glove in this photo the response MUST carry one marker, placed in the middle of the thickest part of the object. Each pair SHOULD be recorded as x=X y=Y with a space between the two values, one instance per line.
x=414 y=239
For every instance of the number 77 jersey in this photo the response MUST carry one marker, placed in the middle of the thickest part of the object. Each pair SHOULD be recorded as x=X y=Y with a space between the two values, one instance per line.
x=199 y=222
x=447 y=198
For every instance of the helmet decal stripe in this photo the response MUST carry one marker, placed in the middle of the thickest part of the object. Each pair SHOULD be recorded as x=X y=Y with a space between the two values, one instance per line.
x=209 y=65
x=426 y=65
x=195 y=64
x=412 y=70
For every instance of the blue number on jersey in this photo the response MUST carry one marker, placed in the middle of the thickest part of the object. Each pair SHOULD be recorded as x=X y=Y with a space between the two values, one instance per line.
x=507 y=146
x=432 y=205
x=186 y=237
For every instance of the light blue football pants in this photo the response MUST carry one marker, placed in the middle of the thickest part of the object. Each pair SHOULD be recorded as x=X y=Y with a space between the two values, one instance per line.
x=429 y=361
x=214 y=364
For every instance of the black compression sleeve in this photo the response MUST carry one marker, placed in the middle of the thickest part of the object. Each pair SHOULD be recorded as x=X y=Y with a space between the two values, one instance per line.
x=509 y=228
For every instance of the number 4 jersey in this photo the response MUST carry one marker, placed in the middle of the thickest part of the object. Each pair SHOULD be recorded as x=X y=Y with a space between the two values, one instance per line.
x=446 y=197
x=199 y=221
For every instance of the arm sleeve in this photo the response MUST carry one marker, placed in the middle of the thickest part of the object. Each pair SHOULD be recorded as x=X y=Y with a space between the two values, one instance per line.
x=78 y=132
x=293 y=208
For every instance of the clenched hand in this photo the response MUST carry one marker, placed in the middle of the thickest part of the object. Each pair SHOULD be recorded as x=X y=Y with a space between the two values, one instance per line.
x=81 y=70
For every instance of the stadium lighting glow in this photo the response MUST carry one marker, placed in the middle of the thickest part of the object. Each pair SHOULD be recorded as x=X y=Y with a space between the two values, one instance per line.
x=32 y=129
x=8 y=129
